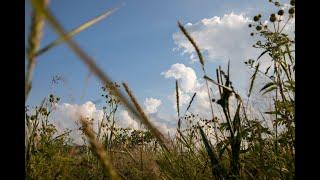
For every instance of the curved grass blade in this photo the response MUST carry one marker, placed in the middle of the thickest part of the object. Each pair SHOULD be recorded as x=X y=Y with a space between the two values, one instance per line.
x=99 y=151
x=75 y=31
x=185 y=32
x=267 y=86
x=253 y=79
x=145 y=120
x=262 y=54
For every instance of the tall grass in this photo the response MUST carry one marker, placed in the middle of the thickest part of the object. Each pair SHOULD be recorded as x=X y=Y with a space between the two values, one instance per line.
x=231 y=146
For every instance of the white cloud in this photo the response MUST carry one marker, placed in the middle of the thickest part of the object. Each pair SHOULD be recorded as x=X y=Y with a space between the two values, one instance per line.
x=201 y=103
x=126 y=121
x=186 y=74
x=222 y=39
x=184 y=98
x=68 y=115
x=151 y=105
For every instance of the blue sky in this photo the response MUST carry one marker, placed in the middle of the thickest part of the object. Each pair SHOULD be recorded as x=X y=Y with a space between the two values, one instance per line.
x=135 y=45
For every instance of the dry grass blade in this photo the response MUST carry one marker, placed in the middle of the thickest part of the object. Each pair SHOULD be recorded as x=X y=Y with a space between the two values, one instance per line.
x=99 y=150
x=223 y=87
x=185 y=32
x=92 y=66
x=35 y=36
x=220 y=85
x=177 y=98
x=76 y=31
x=145 y=120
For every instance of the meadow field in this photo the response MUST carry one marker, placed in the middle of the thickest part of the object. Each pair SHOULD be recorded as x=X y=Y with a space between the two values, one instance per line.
x=236 y=142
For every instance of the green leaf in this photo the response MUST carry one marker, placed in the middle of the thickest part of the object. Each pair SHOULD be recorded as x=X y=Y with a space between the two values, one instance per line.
x=267 y=86
x=270 y=89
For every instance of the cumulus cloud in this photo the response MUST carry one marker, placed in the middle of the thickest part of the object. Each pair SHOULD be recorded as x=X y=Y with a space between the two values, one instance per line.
x=151 y=105
x=222 y=39
x=189 y=84
x=227 y=38
x=126 y=121
x=66 y=116
x=181 y=72
x=184 y=98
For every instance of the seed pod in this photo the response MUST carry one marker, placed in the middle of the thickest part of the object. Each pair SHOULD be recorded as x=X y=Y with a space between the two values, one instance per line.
x=291 y=10
x=280 y=12
x=292 y=2
x=258 y=28
x=273 y=18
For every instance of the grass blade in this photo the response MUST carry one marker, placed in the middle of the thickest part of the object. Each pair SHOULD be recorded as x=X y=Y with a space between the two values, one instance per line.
x=185 y=32
x=177 y=98
x=217 y=169
x=99 y=150
x=253 y=79
x=75 y=31
x=189 y=105
x=35 y=36
x=220 y=85
x=145 y=120
x=267 y=86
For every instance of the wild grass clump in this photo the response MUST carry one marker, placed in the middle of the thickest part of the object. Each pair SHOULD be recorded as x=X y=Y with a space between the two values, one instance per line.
x=234 y=145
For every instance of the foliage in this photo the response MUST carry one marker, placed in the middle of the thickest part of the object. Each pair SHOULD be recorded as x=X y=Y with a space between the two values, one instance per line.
x=231 y=146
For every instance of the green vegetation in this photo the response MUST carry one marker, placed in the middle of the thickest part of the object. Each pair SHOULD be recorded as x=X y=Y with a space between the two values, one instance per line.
x=235 y=145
